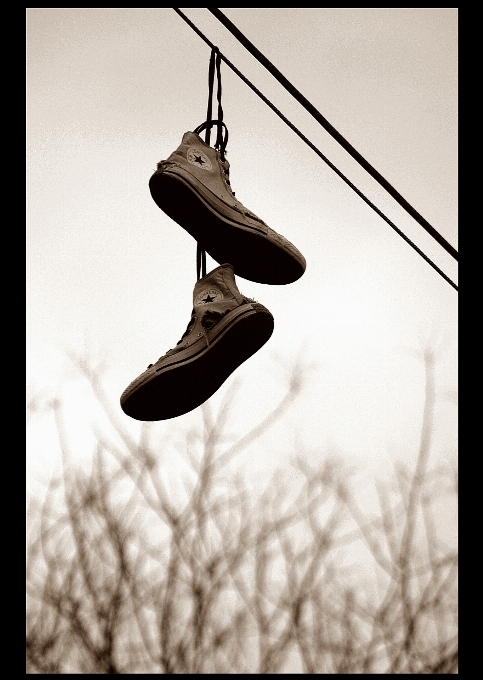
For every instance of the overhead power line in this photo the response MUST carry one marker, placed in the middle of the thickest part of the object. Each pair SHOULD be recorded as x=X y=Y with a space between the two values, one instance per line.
x=315 y=149
x=331 y=130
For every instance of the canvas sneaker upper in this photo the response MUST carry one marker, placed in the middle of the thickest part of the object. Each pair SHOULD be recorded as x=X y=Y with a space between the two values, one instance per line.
x=204 y=164
x=193 y=187
x=214 y=295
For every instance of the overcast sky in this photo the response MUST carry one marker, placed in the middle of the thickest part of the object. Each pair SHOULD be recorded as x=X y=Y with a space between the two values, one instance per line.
x=111 y=92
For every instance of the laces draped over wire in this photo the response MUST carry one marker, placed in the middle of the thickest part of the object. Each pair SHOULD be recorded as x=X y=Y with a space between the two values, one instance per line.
x=221 y=139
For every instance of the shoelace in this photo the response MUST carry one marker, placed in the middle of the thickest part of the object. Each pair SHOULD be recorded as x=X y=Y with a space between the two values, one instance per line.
x=208 y=321
x=188 y=330
x=226 y=172
x=215 y=61
x=222 y=139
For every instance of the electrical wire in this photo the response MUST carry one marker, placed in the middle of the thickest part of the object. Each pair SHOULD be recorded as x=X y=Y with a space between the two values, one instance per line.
x=314 y=148
x=331 y=130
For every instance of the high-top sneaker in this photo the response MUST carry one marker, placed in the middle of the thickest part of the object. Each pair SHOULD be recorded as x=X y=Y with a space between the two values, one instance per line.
x=226 y=328
x=192 y=186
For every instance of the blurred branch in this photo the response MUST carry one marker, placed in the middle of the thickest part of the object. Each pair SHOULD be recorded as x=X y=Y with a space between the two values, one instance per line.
x=126 y=576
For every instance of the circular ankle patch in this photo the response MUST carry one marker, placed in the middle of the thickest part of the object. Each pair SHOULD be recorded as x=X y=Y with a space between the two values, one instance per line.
x=210 y=295
x=197 y=157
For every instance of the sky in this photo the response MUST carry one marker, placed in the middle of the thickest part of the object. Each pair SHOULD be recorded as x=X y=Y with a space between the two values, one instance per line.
x=111 y=91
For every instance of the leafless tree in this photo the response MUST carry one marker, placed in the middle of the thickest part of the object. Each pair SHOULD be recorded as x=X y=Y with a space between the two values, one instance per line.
x=124 y=576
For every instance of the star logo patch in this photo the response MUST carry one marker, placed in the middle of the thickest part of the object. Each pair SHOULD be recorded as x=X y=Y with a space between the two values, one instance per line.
x=210 y=295
x=197 y=157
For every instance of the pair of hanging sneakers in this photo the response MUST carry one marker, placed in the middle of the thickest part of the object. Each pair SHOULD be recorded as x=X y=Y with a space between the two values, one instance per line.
x=192 y=187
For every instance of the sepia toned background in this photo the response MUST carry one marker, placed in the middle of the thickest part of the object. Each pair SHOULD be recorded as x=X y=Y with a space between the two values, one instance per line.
x=110 y=92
